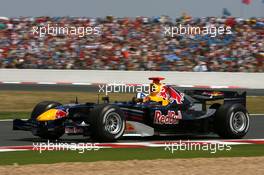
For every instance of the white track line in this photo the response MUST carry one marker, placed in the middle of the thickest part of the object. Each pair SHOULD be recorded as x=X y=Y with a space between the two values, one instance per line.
x=46 y=83
x=9 y=120
x=9 y=150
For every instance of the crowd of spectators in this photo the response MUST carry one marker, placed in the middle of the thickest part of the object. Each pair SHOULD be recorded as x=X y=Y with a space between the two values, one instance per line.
x=133 y=44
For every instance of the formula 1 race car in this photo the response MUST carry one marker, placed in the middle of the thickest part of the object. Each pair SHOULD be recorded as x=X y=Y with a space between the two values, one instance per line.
x=165 y=111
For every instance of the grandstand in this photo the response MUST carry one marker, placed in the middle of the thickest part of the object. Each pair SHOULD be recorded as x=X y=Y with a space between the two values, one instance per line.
x=133 y=44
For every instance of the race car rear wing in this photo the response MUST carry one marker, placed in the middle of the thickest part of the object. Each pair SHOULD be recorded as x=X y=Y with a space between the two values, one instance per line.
x=235 y=97
x=212 y=95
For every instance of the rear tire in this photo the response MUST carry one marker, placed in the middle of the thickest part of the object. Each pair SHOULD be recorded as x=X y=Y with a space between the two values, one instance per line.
x=107 y=123
x=232 y=121
x=43 y=131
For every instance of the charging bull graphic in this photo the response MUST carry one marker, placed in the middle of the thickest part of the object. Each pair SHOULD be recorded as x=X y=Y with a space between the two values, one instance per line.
x=163 y=94
x=168 y=92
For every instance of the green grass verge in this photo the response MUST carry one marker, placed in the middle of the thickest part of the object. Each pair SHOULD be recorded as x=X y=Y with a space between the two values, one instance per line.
x=14 y=115
x=47 y=157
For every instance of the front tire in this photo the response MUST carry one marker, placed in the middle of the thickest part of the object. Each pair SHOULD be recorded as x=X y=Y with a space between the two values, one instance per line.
x=107 y=123
x=232 y=121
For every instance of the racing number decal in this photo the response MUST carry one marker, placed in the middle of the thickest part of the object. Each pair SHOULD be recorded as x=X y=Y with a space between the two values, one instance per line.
x=171 y=117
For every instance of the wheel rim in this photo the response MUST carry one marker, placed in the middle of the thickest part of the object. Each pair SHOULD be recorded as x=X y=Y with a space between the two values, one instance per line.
x=113 y=123
x=239 y=121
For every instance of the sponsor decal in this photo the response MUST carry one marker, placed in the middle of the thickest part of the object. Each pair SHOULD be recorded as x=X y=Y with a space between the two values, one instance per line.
x=60 y=114
x=171 y=118
x=73 y=130
x=129 y=127
x=214 y=93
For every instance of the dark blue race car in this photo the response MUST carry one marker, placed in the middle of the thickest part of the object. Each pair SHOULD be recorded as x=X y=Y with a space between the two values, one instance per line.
x=185 y=113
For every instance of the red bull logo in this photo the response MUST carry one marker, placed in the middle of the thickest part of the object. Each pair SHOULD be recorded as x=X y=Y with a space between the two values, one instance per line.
x=60 y=114
x=171 y=94
x=171 y=117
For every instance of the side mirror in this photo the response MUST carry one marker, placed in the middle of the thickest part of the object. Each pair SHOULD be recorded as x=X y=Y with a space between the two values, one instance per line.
x=137 y=100
x=106 y=99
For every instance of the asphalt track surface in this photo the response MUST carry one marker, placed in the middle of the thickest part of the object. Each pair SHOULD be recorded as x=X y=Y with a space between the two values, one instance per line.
x=92 y=88
x=8 y=137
